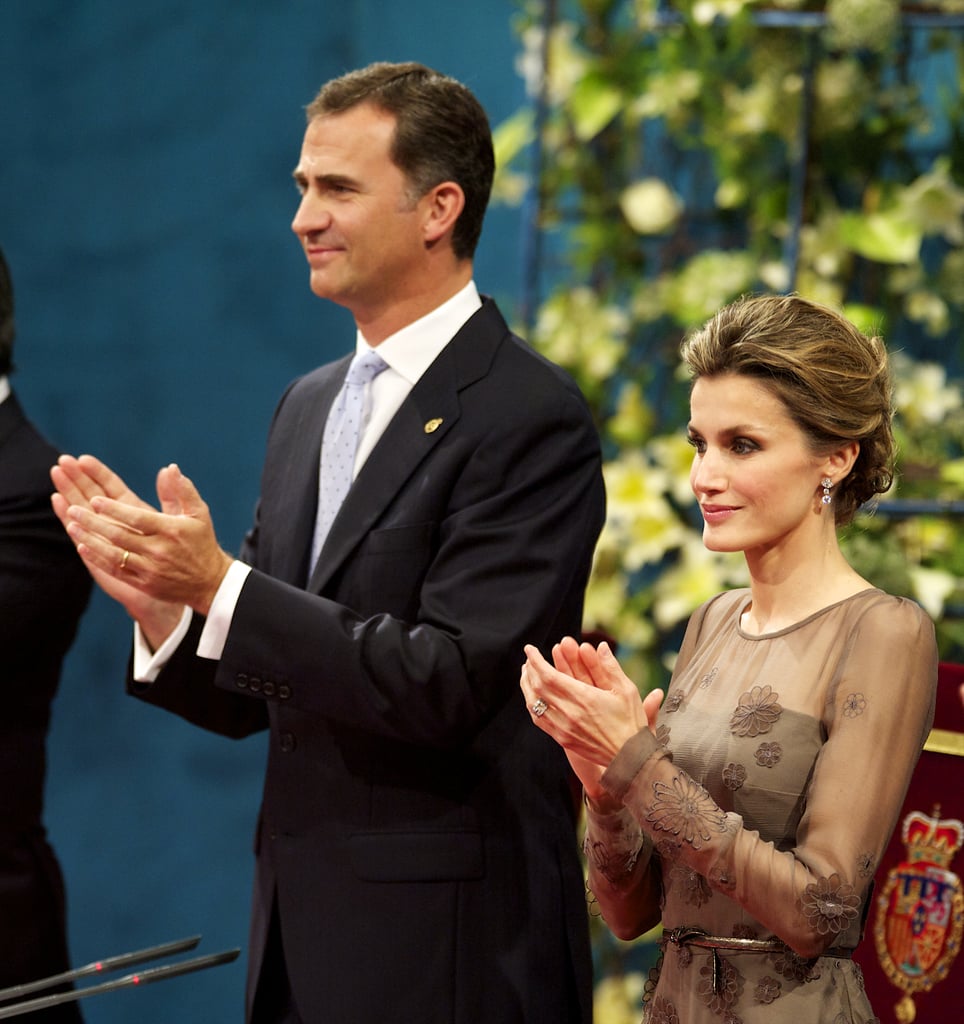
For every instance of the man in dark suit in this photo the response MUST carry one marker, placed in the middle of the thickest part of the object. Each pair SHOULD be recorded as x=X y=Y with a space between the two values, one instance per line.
x=44 y=589
x=416 y=858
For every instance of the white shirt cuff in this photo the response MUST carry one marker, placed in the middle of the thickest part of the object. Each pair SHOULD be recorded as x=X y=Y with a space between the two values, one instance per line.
x=215 y=632
x=148 y=663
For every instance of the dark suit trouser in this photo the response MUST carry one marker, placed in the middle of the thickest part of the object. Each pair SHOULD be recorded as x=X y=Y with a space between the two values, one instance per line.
x=32 y=921
x=273 y=1002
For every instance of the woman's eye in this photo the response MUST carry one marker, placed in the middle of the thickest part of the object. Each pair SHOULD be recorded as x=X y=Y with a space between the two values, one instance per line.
x=697 y=442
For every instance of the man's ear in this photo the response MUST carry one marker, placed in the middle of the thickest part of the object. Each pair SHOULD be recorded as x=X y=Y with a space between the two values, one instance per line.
x=442 y=205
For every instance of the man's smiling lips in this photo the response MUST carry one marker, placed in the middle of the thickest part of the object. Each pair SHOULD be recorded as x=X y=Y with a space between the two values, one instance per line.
x=318 y=252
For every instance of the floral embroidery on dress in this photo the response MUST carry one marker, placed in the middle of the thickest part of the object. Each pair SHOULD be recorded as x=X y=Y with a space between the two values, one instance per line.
x=830 y=904
x=614 y=865
x=694 y=888
x=667 y=850
x=663 y=1012
x=854 y=705
x=756 y=712
x=721 y=985
x=662 y=735
x=592 y=904
x=794 y=967
x=768 y=754
x=767 y=990
x=859 y=975
x=652 y=980
x=686 y=810
x=866 y=865
x=734 y=775
x=709 y=677
x=673 y=702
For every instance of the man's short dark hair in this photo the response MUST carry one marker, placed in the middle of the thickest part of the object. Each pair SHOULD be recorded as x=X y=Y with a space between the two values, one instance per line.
x=441 y=133
x=6 y=317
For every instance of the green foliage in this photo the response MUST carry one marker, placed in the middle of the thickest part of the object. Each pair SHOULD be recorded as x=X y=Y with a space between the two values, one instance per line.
x=678 y=143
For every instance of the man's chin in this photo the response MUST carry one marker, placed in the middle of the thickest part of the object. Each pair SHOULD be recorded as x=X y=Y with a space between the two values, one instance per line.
x=320 y=284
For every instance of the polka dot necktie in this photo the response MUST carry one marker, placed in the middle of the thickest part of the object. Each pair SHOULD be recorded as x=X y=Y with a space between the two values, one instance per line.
x=340 y=442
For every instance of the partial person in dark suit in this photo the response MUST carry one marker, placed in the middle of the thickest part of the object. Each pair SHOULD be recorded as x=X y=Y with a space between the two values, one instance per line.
x=415 y=849
x=44 y=589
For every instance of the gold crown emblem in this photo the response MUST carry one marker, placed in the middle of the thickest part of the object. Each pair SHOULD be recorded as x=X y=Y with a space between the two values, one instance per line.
x=931 y=839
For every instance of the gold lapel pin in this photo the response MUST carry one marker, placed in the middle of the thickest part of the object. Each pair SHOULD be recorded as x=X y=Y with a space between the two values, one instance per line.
x=432 y=425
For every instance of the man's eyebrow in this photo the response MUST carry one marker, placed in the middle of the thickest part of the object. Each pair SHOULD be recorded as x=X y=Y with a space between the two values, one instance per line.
x=302 y=178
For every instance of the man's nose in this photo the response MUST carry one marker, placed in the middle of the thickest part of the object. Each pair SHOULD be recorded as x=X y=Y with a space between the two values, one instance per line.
x=311 y=216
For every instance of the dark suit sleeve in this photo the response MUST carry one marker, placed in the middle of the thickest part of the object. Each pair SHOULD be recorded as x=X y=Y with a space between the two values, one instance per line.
x=186 y=688
x=44 y=589
x=422 y=637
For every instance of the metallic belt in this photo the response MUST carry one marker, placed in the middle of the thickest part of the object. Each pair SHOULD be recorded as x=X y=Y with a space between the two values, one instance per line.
x=687 y=936
x=697 y=937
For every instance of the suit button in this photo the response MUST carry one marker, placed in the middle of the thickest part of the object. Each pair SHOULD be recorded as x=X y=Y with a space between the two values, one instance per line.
x=241 y=681
x=287 y=742
x=254 y=684
x=268 y=689
x=284 y=691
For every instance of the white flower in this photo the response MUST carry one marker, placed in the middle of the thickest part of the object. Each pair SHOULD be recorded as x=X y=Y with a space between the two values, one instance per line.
x=650 y=206
x=577 y=330
x=775 y=275
x=861 y=24
x=927 y=308
x=935 y=202
x=709 y=280
x=667 y=93
x=921 y=393
x=639 y=518
x=682 y=589
x=674 y=454
x=617 y=997
x=932 y=587
x=841 y=86
x=705 y=12
x=730 y=193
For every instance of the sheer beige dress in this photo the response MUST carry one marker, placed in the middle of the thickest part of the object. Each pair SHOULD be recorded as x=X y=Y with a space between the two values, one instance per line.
x=762 y=807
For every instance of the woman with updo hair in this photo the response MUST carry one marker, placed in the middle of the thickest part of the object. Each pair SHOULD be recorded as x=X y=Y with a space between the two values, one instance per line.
x=749 y=812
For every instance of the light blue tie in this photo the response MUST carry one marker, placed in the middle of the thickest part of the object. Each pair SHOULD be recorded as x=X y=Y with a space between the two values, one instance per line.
x=340 y=442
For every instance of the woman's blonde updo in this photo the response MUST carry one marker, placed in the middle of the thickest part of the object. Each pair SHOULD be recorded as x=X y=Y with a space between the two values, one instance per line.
x=833 y=380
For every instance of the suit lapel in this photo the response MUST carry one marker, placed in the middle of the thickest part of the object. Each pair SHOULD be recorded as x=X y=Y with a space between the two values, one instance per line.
x=11 y=416
x=422 y=422
x=301 y=472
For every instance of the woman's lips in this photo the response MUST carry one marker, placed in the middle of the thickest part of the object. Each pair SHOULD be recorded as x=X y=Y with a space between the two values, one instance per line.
x=717 y=513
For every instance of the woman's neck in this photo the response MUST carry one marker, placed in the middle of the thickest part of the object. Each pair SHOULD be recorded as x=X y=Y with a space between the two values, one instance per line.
x=784 y=592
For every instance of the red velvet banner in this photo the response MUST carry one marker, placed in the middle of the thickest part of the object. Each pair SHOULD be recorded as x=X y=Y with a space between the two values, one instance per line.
x=909 y=954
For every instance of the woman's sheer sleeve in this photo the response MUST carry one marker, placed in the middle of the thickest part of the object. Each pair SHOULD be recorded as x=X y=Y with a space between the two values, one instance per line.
x=879 y=708
x=623 y=874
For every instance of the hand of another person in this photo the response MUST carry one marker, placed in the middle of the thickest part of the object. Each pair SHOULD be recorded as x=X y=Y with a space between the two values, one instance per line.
x=153 y=562
x=592 y=706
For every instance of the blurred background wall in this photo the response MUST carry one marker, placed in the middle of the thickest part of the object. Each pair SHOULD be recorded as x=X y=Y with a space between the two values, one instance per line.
x=162 y=305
